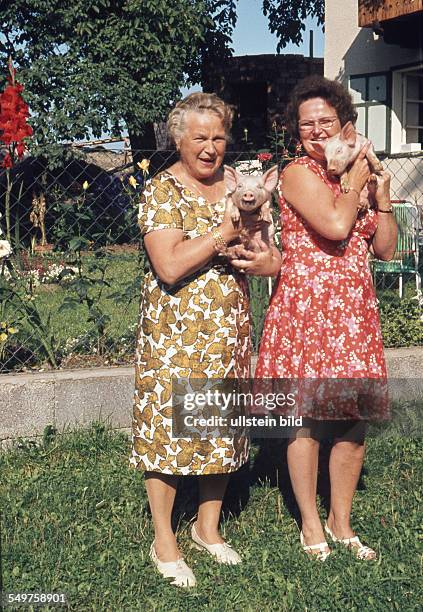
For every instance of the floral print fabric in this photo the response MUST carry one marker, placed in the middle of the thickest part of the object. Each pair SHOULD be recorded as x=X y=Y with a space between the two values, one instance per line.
x=198 y=328
x=323 y=320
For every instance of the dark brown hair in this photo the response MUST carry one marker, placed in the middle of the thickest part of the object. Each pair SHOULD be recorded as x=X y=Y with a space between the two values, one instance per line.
x=316 y=86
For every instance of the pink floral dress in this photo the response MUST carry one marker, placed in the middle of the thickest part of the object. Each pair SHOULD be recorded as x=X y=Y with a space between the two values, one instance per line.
x=323 y=320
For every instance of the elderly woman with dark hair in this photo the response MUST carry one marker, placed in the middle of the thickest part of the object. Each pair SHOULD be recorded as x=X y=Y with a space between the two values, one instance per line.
x=194 y=323
x=323 y=320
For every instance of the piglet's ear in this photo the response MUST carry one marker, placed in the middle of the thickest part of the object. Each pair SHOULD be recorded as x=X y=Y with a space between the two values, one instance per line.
x=270 y=178
x=348 y=134
x=230 y=176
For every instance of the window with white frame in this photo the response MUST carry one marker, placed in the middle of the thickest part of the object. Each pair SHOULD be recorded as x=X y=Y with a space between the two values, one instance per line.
x=371 y=97
x=413 y=105
x=407 y=109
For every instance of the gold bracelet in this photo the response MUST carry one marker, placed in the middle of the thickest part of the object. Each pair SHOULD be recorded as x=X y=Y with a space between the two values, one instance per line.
x=388 y=210
x=220 y=244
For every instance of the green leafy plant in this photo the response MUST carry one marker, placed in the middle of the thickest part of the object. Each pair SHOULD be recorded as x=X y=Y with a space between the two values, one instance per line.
x=401 y=321
x=86 y=280
x=281 y=149
x=17 y=296
x=87 y=286
x=77 y=223
x=259 y=301
x=7 y=331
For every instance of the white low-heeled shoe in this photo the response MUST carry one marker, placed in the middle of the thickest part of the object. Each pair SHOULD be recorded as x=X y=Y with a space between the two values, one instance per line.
x=365 y=553
x=223 y=553
x=179 y=570
x=322 y=553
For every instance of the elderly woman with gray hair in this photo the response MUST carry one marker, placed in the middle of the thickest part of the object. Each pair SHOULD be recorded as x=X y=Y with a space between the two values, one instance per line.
x=194 y=322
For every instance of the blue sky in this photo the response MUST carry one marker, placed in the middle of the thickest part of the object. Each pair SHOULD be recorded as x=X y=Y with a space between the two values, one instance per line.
x=252 y=36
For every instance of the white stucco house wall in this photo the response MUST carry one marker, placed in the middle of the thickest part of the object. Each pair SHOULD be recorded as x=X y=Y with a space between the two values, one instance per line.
x=382 y=66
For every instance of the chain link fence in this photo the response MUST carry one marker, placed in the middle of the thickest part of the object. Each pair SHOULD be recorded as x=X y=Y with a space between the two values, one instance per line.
x=69 y=292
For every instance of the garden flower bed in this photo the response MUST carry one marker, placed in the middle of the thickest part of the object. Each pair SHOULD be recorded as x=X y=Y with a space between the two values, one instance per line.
x=75 y=338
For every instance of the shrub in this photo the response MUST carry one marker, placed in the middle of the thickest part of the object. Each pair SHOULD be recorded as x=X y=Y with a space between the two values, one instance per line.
x=401 y=321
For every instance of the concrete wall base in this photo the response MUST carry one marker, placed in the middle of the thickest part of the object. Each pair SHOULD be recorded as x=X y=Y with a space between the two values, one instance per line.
x=75 y=398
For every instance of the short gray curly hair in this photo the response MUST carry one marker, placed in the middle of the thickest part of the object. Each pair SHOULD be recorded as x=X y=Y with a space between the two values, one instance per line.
x=200 y=103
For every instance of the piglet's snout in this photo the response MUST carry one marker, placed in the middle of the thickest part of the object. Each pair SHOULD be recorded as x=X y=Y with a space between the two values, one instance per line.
x=248 y=196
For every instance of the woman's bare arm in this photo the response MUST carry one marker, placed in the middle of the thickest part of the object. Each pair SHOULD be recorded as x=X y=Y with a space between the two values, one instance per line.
x=332 y=217
x=174 y=258
x=385 y=238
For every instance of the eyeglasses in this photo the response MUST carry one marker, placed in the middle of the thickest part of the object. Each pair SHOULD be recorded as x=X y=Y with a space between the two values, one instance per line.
x=325 y=124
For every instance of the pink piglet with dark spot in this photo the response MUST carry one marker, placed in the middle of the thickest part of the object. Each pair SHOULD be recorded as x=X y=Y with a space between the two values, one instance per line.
x=248 y=193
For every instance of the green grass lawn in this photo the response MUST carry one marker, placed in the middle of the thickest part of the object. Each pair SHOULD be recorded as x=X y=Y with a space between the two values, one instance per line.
x=74 y=519
x=71 y=331
x=121 y=272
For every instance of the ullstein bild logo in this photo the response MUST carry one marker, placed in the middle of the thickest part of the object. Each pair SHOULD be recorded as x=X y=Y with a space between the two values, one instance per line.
x=243 y=421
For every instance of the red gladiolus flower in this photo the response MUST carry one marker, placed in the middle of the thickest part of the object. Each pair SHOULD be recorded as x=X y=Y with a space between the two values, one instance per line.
x=20 y=149
x=7 y=161
x=264 y=157
x=13 y=120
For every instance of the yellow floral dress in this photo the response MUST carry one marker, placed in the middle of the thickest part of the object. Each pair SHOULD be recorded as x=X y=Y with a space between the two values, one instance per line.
x=197 y=328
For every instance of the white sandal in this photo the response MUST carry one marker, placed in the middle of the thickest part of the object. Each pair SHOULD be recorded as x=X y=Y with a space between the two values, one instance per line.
x=322 y=555
x=361 y=551
x=179 y=570
x=223 y=553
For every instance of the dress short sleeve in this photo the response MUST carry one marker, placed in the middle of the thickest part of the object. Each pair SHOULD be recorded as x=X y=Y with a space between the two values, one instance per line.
x=159 y=206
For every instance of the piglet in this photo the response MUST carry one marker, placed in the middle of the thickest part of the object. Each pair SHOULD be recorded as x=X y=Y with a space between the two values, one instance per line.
x=248 y=193
x=342 y=149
